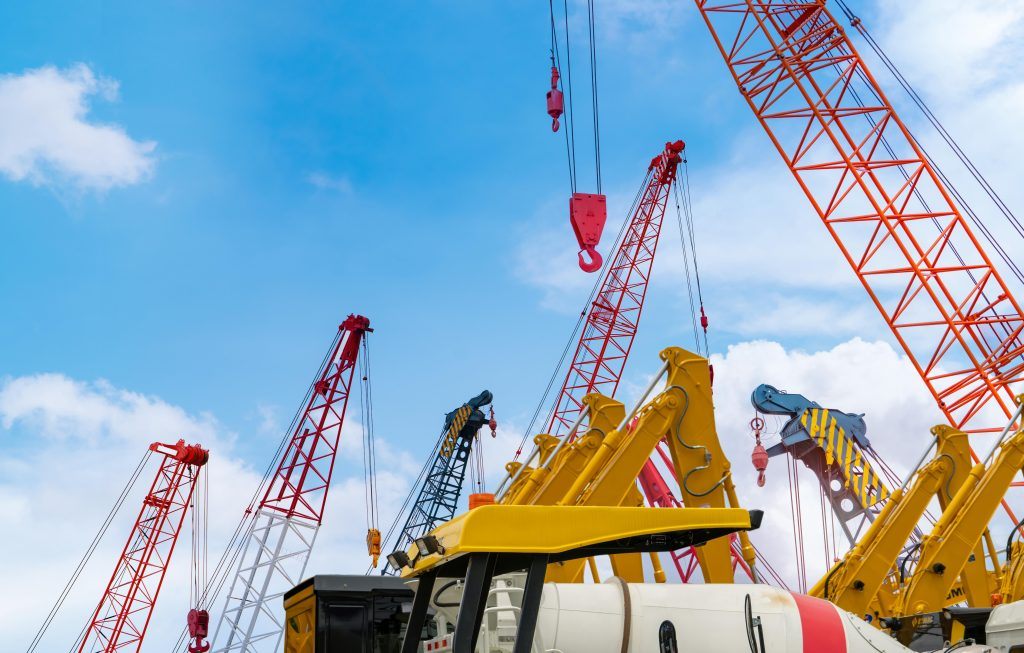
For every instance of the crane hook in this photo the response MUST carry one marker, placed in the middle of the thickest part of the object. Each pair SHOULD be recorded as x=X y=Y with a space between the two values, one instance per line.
x=198 y=629
x=759 y=456
x=556 y=103
x=595 y=259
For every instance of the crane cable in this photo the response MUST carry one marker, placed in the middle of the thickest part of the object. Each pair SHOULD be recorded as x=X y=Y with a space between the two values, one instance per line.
x=919 y=102
x=369 y=448
x=975 y=219
x=236 y=542
x=200 y=511
x=62 y=597
x=598 y=283
x=593 y=92
x=556 y=60
x=684 y=199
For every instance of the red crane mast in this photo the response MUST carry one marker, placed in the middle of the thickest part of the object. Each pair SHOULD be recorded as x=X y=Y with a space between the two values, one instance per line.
x=611 y=327
x=881 y=199
x=614 y=314
x=120 y=620
x=280 y=538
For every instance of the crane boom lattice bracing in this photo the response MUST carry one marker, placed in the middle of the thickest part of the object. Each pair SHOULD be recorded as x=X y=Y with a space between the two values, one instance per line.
x=120 y=620
x=284 y=528
x=438 y=496
x=615 y=312
x=611 y=327
x=881 y=200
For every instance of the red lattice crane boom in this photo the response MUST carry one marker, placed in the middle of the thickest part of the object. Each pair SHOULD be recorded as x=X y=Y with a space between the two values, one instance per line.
x=881 y=199
x=120 y=620
x=280 y=538
x=614 y=314
x=611 y=327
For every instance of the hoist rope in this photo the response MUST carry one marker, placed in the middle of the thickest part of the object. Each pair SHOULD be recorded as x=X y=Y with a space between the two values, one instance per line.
x=694 y=321
x=958 y=151
x=598 y=284
x=369 y=445
x=593 y=90
x=62 y=597
x=407 y=503
x=570 y=127
x=975 y=219
x=919 y=101
x=199 y=517
x=236 y=543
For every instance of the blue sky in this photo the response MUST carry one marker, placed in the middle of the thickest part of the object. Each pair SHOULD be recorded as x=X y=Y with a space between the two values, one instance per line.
x=272 y=170
x=215 y=282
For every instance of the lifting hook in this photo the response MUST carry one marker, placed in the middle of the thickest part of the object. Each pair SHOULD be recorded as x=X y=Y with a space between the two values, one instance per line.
x=595 y=262
x=587 y=214
x=198 y=629
x=759 y=456
x=556 y=103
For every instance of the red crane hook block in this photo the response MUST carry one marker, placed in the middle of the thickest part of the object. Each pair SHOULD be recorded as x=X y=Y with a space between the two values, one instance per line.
x=588 y=213
x=198 y=630
x=556 y=104
x=759 y=456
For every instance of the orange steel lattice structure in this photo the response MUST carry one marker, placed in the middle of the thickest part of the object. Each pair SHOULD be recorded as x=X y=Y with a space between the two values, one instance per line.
x=881 y=200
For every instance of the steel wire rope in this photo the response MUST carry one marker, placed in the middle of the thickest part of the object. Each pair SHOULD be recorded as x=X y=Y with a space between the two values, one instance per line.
x=919 y=101
x=84 y=560
x=598 y=283
x=593 y=89
x=570 y=128
x=369 y=442
x=972 y=215
x=686 y=267
x=243 y=528
x=413 y=489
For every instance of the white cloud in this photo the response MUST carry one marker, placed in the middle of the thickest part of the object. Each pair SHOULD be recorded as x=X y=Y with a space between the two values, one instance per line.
x=856 y=376
x=46 y=137
x=66 y=449
x=955 y=48
x=335 y=183
x=638 y=20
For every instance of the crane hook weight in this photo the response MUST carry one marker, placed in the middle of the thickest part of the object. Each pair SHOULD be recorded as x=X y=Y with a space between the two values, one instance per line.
x=556 y=103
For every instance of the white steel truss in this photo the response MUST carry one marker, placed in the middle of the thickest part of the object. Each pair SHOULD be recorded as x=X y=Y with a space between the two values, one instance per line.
x=273 y=562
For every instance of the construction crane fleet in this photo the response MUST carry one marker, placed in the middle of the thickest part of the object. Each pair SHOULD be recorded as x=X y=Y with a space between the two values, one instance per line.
x=517 y=566
x=590 y=480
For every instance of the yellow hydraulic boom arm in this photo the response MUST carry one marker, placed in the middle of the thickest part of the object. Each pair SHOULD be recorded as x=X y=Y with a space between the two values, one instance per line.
x=600 y=467
x=955 y=537
x=857 y=583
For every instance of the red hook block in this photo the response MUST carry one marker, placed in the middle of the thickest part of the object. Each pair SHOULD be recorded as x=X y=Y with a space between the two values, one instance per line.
x=556 y=103
x=588 y=213
x=198 y=630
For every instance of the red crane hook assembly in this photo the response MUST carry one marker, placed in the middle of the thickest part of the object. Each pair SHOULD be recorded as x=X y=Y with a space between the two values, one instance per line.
x=556 y=103
x=759 y=456
x=198 y=631
x=588 y=213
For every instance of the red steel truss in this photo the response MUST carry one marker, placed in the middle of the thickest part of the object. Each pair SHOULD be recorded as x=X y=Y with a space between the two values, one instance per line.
x=612 y=323
x=122 y=616
x=615 y=312
x=881 y=200
x=299 y=486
